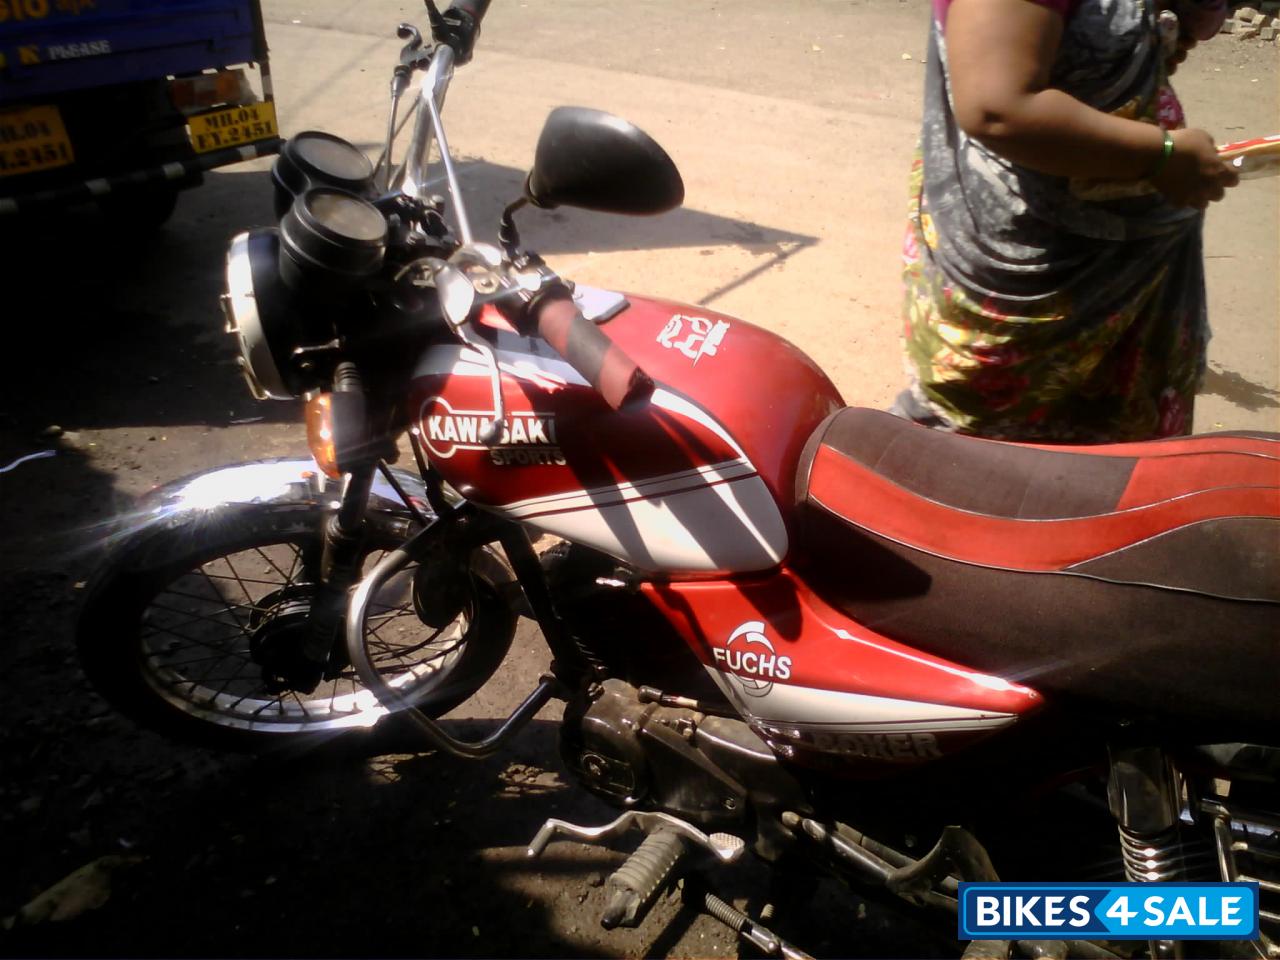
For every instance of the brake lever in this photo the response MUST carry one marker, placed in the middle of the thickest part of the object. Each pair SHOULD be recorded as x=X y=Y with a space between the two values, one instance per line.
x=491 y=432
x=457 y=282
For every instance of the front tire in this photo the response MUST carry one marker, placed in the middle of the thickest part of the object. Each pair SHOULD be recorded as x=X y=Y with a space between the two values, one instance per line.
x=190 y=627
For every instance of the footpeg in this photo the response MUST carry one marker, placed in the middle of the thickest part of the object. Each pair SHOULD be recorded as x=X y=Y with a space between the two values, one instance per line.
x=635 y=884
x=725 y=847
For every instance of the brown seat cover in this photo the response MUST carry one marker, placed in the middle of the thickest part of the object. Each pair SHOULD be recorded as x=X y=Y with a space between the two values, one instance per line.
x=1142 y=576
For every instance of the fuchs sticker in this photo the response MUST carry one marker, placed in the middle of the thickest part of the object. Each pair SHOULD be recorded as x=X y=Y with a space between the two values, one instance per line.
x=749 y=656
x=695 y=337
x=527 y=439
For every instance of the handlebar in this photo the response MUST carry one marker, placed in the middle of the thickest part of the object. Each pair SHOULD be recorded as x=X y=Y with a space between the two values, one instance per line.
x=615 y=376
x=459 y=25
x=476 y=9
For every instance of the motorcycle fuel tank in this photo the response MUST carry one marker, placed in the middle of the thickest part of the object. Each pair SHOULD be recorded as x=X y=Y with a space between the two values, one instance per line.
x=696 y=480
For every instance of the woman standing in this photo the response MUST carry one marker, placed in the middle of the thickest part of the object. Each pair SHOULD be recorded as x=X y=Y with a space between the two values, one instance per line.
x=1054 y=271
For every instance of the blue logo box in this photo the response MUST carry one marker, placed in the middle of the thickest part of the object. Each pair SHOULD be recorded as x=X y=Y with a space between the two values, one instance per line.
x=1113 y=911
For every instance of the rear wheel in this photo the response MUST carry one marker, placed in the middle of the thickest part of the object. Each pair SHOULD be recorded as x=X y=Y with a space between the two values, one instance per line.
x=196 y=630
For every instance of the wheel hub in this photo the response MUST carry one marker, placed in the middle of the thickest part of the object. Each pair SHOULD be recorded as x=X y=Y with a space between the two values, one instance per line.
x=279 y=628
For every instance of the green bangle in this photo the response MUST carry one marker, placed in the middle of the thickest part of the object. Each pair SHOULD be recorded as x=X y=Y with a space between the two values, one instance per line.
x=1165 y=153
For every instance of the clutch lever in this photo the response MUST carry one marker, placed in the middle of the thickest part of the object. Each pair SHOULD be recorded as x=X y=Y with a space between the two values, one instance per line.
x=407 y=31
x=412 y=57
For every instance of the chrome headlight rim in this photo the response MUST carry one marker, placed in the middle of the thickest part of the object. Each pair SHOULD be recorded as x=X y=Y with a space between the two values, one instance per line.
x=244 y=310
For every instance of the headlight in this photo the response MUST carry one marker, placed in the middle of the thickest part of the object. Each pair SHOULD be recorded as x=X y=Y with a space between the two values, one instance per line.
x=266 y=320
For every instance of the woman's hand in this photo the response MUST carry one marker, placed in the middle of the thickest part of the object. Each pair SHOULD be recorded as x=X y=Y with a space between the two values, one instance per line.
x=1185 y=45
x=1195 y=175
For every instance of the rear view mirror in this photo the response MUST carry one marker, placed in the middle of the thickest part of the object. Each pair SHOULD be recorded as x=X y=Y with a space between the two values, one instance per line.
x=593 y=160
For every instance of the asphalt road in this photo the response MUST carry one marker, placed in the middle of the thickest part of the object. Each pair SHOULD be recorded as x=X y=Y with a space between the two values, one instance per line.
x=792 y=124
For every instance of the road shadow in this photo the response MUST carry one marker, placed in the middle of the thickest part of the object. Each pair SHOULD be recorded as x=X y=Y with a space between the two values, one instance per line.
x=1239 y=390
x=120 y=327
x=115 y=329
x=488 y=188
x=350 y=850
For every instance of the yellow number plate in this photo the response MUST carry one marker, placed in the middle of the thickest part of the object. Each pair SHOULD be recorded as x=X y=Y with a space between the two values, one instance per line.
x=31 y=139
x=232 y=127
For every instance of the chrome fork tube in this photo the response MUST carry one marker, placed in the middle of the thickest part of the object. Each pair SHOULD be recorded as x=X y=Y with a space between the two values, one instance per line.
x=434 y=86
x=446 y=158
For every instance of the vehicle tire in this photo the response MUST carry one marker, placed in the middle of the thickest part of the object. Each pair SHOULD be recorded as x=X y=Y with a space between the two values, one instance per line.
x=188 y=629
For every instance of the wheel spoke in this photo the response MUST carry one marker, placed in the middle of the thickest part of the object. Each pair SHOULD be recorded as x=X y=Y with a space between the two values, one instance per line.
x=208 y=673
x=172 y=665
x=254 y=580
x=273 y=564
x=196 y=617
x=231 y=605
x=244 y=624
x=206 y=642
x=418 y=646
x=276 y=702
x=231 y=566
x=388 y=614
x=216 y=676
x=260 y=688
x=296 y=566
x=305 y=712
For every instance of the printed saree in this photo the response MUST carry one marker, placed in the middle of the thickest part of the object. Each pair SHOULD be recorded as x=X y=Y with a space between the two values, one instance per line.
x=1042 y=308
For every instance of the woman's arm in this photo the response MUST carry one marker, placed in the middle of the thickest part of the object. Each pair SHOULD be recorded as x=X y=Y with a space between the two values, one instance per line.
x=1000 y=54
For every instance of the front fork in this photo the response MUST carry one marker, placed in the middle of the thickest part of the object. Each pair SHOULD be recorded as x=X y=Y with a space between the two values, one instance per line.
x=341 y=560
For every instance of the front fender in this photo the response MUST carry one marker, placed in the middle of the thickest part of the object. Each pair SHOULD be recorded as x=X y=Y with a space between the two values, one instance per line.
x=295 y=480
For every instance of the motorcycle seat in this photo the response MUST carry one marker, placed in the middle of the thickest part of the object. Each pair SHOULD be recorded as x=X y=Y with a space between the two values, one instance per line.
x=1144 y=576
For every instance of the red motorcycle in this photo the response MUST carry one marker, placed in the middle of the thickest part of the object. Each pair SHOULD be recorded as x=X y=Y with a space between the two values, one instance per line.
x=779 y=624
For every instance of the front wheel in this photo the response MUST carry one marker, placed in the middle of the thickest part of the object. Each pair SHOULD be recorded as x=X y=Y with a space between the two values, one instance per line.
x=194 y=629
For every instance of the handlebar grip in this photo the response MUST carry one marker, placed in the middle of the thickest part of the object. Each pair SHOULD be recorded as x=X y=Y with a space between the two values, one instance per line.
x=615 y=376
x=476 y=9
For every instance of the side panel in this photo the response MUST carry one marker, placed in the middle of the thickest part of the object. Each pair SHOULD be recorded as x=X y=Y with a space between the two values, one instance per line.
x=819 y=685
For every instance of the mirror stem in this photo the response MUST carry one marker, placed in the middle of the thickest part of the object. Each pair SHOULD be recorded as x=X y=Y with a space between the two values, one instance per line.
x=508 y=235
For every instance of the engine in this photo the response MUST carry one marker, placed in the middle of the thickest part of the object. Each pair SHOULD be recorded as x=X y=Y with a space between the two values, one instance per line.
x=638 y=748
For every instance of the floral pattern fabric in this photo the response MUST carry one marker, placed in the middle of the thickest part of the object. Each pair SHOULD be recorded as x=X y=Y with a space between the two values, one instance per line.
x=1044 y=308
